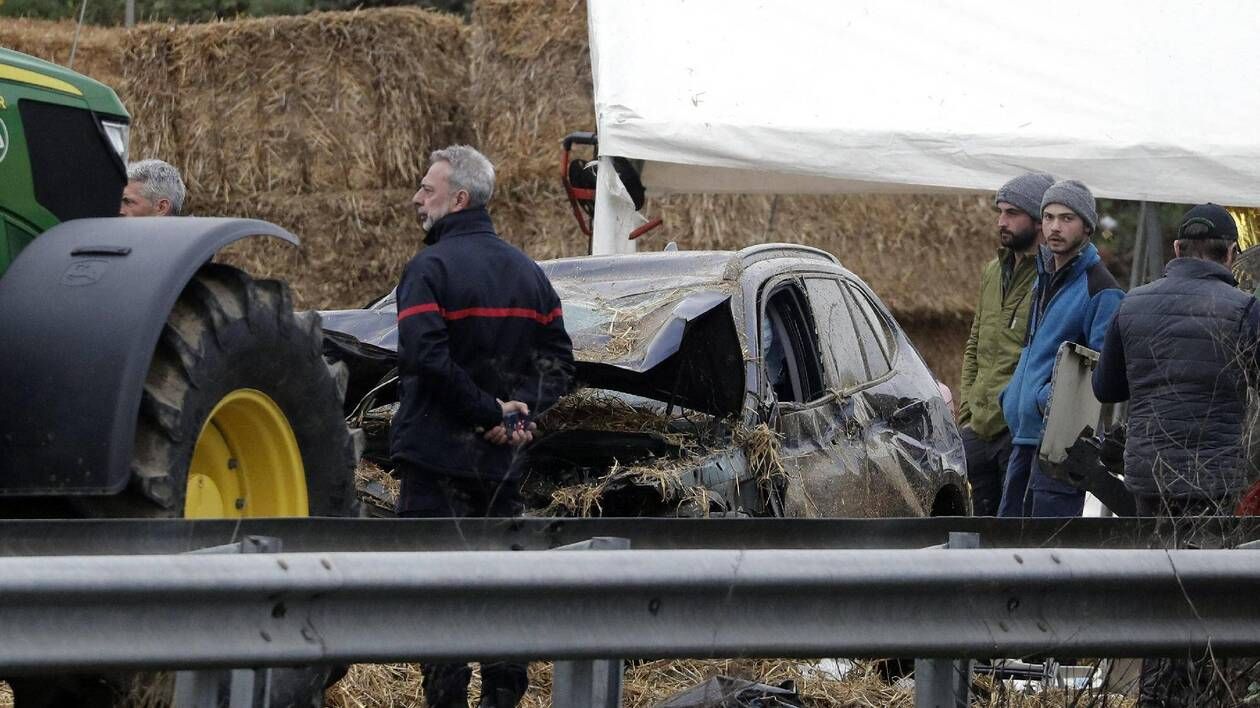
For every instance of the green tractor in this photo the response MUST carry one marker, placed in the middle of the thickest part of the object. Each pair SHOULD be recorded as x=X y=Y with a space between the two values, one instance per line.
x=143 y=379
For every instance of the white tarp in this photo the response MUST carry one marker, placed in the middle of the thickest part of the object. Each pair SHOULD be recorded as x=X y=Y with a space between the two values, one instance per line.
x=1151 y=99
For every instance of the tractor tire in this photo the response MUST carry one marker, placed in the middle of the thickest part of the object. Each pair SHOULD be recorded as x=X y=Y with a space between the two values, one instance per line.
x=241 y=414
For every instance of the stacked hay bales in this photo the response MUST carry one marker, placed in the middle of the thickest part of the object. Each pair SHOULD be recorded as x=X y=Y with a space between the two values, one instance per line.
x=325 y=102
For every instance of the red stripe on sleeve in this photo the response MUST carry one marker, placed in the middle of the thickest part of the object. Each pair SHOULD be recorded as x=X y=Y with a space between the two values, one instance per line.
x=501 y=312
x=418 y=310
x=486 y=312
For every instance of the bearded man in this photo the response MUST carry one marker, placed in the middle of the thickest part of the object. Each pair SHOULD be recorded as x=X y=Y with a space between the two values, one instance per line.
x=997 y=336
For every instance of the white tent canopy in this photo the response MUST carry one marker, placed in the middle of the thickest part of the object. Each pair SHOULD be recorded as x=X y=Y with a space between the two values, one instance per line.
x=1147 y=100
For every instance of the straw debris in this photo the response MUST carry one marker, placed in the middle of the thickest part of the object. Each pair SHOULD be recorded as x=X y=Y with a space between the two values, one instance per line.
x=591 y=409
x=97 y=55
x=695 y=437
x=763 y=447
x=648 y=683
x=376 y=486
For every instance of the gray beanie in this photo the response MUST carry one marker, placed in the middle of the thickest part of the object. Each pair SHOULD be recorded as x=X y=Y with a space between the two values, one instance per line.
x=1024 y=192
x=1075 y=196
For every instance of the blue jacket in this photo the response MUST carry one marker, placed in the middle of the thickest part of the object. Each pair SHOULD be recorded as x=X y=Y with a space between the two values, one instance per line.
x=1073 y=304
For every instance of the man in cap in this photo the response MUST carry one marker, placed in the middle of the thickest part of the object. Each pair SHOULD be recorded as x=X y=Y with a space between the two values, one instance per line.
x=1182 y=351
x=1074 y=300
x=997 y=337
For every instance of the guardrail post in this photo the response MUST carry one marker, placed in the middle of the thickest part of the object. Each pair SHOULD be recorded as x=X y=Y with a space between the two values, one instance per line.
x=589 y=684
x=945 y=683
x=246 y=688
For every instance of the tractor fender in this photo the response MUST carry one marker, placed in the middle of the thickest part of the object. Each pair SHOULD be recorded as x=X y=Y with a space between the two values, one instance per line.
x=81 y=311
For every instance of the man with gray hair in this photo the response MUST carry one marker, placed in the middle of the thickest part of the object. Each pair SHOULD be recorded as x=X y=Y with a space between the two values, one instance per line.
x=481 y=348
x=154 y=188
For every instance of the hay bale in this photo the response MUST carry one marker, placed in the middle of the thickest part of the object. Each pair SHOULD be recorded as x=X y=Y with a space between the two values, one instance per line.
x=531 y=83
x=97 y=55
x=941 y=341
x=354 y=244
x=150 y=92
x=323 y=102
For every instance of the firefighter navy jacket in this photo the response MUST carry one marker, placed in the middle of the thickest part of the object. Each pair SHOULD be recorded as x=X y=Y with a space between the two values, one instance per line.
x=477 y=320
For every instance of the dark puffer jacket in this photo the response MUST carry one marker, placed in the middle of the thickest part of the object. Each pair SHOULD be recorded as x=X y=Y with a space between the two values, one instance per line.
x=1181 y=350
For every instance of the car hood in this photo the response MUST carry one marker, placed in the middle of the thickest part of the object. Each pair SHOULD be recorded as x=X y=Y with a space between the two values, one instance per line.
x=675 y=345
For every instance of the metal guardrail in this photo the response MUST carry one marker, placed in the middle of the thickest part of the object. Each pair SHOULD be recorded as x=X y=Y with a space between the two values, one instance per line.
x=222 y=611
x=105 y=537
x=762 y=587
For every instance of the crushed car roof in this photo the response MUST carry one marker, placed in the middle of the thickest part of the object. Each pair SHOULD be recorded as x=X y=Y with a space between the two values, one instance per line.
x=637 y=323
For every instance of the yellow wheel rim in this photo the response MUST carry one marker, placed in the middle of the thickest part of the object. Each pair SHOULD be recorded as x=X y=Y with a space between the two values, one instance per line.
x=246 y=462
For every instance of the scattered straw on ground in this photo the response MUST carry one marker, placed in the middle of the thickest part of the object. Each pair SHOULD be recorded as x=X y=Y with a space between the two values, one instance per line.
x=648 y=683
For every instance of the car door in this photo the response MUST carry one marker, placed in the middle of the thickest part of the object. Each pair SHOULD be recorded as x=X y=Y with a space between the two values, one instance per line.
x=902 y=469
x=821 y=450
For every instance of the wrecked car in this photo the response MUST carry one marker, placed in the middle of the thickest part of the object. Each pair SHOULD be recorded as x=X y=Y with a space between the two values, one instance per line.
x=768 y=381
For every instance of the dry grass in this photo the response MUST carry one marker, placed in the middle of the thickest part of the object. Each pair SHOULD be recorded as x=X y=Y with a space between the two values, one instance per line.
x=97 y=55
x=648 y=683
x=763 y=447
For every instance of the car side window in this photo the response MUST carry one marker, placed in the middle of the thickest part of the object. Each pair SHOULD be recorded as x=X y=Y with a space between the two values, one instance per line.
x=837 y=338
x=788 y=350
x=874 y=335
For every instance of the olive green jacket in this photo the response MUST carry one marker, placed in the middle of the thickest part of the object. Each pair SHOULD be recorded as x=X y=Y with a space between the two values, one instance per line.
x=997 y=337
